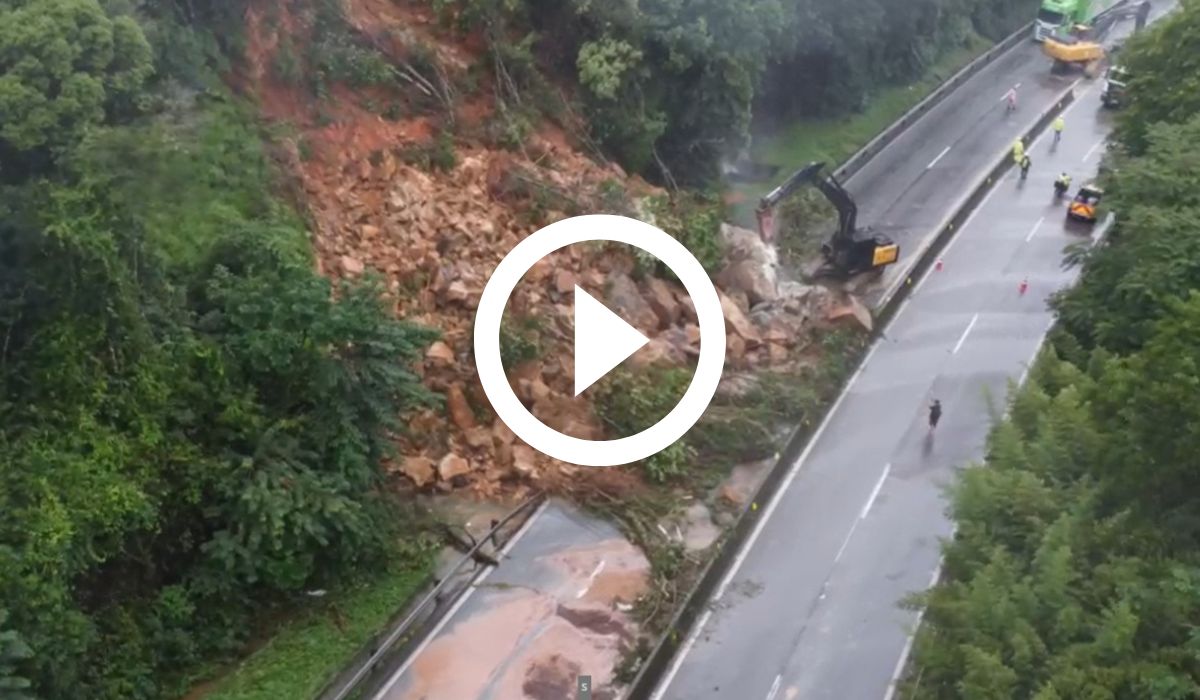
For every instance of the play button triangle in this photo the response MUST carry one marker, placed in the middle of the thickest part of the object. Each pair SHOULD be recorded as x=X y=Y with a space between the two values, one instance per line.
x=602 y=340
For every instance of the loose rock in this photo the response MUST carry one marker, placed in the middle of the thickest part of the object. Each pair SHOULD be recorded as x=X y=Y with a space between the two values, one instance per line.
x=419 y=470
x=452 y=466
x=458 y=408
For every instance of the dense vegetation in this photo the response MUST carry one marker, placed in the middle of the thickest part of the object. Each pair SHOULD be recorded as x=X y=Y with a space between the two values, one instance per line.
x=669 y=86
x=1075 y=571
x=191 y=420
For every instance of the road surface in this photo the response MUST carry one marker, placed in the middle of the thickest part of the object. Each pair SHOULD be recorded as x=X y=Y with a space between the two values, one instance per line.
x=810 y=610
x=911 y=186
x=557 y=608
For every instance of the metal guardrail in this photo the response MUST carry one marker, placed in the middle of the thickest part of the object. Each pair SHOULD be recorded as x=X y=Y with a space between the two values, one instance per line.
x=383 y=649
x=699 y=598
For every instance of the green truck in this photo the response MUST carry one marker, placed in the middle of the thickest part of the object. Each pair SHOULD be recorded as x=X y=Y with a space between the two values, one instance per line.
x=1057 y=16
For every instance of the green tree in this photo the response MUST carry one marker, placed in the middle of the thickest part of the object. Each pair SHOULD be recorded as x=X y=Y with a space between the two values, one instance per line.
x=191 y=428
x=12 y=652
x=65 y=66
x=1164 y=66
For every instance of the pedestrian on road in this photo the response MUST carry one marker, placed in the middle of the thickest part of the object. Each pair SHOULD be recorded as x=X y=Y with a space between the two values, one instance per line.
x=1010 y=99
x=935 y=414
x=1058 y=127
x=1018 y=151
x=1025 y=163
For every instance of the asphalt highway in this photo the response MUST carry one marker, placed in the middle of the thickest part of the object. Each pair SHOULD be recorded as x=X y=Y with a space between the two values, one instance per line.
x=811 y=608
x=909 y=187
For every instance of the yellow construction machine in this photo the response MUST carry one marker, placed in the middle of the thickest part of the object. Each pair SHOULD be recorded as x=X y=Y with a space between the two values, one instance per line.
x=1080 y=46
x=1075 y=51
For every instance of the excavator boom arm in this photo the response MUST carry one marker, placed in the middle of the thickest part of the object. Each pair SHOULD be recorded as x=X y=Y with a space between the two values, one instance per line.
x=828 y=185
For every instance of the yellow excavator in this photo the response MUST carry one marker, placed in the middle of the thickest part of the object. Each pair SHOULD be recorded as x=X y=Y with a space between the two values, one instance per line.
x=850 y=251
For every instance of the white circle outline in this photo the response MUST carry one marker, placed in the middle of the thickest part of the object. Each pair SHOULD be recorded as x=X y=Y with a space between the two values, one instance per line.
x=599 y=453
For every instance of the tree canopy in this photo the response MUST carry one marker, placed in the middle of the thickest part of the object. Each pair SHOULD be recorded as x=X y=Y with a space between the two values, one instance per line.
x=671 y=87
x=64 y=66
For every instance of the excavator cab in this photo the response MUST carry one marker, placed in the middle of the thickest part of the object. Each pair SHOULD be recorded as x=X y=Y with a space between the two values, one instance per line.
x=849 y=252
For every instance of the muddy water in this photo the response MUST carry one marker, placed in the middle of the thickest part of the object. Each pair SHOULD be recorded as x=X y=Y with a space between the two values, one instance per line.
x=551 y=612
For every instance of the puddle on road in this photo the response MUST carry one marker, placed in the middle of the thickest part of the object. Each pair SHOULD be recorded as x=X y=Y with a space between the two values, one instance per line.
x=519 y=643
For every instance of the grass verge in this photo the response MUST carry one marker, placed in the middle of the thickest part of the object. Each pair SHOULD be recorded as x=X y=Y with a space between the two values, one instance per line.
x=834 y=140
x=310 y=647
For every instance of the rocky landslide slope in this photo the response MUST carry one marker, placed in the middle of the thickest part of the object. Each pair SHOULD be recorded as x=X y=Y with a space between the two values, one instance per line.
x=435 y=235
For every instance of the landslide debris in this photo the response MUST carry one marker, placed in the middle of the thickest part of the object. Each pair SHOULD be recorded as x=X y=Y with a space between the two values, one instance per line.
x=420 y=195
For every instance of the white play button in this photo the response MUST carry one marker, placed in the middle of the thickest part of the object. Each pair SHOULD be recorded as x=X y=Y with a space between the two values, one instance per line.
x=602 y=340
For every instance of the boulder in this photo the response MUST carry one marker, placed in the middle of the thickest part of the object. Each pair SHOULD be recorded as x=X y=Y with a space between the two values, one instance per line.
x=853 y=308
x=662 y=301
x=456 y=292
x=681 y=340
x=564 y=281
x=501 y=433
x=370 y=232
x=458 y=408
x=736 y=319
x=540 y=270
x=744 y=244
x=659 y=351
x=352 y=265
x=732 y=495
x=735 y=347
x=453 y=466
x=440 y=353
x=568 y=416
x=504 y=455
x=419 y=470
x=524 y=460
x=627 y=301
x=754 y=279
x=479 y=437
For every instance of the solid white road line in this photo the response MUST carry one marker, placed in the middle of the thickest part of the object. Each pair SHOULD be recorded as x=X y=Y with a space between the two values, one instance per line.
x=966 y=332
x=845 y=542
x=875 y=492
x=591 y=580
x=939 y=157
x=1005 y=95
x=1092 y=150
x=1034 y=229
x=774 y=687
x=462 y=599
